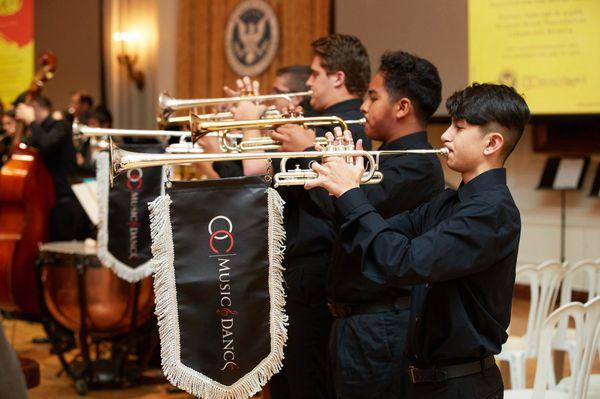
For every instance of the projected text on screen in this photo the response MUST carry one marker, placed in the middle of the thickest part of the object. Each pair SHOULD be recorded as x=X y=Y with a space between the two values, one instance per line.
x=548 y=49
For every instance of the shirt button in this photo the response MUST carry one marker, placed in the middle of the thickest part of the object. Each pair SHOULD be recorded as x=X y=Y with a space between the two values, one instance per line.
x=427 y=285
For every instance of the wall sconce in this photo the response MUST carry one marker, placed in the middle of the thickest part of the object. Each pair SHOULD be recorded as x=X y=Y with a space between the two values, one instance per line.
x=128 y=39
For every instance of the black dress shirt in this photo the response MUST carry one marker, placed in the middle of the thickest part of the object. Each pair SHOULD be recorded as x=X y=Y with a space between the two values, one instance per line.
x=309 y=238
x=464 y=245
x=53 y=140
x=408 y=181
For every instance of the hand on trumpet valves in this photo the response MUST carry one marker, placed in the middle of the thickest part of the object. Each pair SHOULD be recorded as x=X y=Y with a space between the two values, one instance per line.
x=246 y=110
x=292 y=112
x=294 y=137
x=244 y=87
x=338 y=174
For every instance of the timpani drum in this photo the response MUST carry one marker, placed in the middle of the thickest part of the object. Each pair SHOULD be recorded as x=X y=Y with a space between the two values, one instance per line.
x=72 y=277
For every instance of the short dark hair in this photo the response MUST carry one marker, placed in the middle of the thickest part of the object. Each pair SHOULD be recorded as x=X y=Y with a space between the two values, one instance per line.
x=416 y=78
x=43 y=102
x=297 y=76
x=86 y=99
x=491 y=106
x=345 y=53
x=102 y=114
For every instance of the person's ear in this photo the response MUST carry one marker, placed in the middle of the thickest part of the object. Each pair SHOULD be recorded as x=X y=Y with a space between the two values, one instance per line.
x=494 y=143
x=340 y=79
x=402 y=107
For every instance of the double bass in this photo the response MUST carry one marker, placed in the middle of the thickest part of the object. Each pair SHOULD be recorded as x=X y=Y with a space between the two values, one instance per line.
x=26 y=198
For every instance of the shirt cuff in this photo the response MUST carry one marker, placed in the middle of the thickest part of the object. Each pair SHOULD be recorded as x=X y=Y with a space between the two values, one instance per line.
x=351 y=200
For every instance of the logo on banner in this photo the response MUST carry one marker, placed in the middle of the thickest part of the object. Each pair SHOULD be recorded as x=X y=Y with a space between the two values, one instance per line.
x=134 y=184
x=221 y=243
x=251 y=37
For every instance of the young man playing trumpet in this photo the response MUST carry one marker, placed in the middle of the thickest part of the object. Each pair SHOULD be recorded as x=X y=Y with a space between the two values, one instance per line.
x=339 y=78
x=463 y=245
x=369 y=333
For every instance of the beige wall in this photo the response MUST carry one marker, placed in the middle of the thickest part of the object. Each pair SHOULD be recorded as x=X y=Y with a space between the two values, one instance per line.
x=70 y=28
x=432 y=29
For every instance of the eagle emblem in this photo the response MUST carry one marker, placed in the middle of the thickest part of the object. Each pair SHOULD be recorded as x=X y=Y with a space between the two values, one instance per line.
x=252 y=37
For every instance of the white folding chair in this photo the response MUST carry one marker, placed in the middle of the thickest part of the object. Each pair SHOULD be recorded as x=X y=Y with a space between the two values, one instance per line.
x=587 y=335
x=544 y=282
x=590 y=269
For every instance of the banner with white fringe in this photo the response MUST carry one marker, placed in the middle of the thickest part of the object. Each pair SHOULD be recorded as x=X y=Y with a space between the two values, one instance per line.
x=124 y=243
x=218 y=248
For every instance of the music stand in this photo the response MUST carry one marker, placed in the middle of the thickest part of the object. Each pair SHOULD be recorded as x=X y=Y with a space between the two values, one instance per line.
x=563 y=174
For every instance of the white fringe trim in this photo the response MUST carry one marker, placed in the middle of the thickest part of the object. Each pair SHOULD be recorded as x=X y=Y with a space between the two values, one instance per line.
x=121 y=269
x=165 y=292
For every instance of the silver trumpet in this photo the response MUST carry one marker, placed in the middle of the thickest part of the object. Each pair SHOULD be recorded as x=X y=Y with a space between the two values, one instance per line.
x=227 y=141
x=168 y=104
x=122 y=160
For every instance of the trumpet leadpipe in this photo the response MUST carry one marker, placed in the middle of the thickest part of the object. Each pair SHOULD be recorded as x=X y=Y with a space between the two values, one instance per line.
x=169 y=104
x=199 y=128
x=80 y=130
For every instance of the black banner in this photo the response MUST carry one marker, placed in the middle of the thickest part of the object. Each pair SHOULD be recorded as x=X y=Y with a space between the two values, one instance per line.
x=124 y=242
x=218 y=246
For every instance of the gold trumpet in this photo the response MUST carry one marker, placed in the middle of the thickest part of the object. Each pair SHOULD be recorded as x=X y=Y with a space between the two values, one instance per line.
x=200 y=128
x=183 y=120
x=168 y=104
x=122 y=160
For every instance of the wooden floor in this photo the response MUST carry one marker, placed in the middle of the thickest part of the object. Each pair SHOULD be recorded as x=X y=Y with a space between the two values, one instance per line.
x=52 y=385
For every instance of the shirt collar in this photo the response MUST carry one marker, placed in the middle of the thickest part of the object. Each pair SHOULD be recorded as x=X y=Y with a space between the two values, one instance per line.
x=414 y=140
x=344 y=106
x=482 y=182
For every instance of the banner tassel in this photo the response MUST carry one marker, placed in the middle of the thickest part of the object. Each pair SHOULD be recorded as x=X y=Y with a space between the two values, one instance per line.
x=176 y=372
x=122 y=270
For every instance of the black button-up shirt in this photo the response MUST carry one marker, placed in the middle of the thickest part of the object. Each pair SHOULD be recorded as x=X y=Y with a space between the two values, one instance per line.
x=464 y=245
x=408 y=181
x=309 y=238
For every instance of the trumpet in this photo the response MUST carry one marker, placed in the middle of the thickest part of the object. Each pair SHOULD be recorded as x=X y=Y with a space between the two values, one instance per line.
x=168 y=104
x=122 y=160
x=182 y=120
x=229 y=141
x=199 y=128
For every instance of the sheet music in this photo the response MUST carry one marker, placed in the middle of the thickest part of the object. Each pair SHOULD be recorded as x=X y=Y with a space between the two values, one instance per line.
x=568 y=173
x=87 y=195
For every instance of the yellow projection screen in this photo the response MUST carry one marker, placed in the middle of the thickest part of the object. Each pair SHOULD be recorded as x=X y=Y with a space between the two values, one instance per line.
x=549 y=50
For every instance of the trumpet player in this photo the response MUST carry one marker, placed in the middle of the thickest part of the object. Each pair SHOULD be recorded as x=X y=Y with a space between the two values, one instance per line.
x=462 y=244
x=371 y=320
x=339 y=77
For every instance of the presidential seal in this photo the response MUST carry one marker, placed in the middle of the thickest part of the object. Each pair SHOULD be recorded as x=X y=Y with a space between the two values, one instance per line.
x=251 y=37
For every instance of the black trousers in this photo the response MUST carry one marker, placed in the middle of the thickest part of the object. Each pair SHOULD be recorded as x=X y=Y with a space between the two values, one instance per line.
x=486 y=385
x=366 y=355
x=304 y=374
